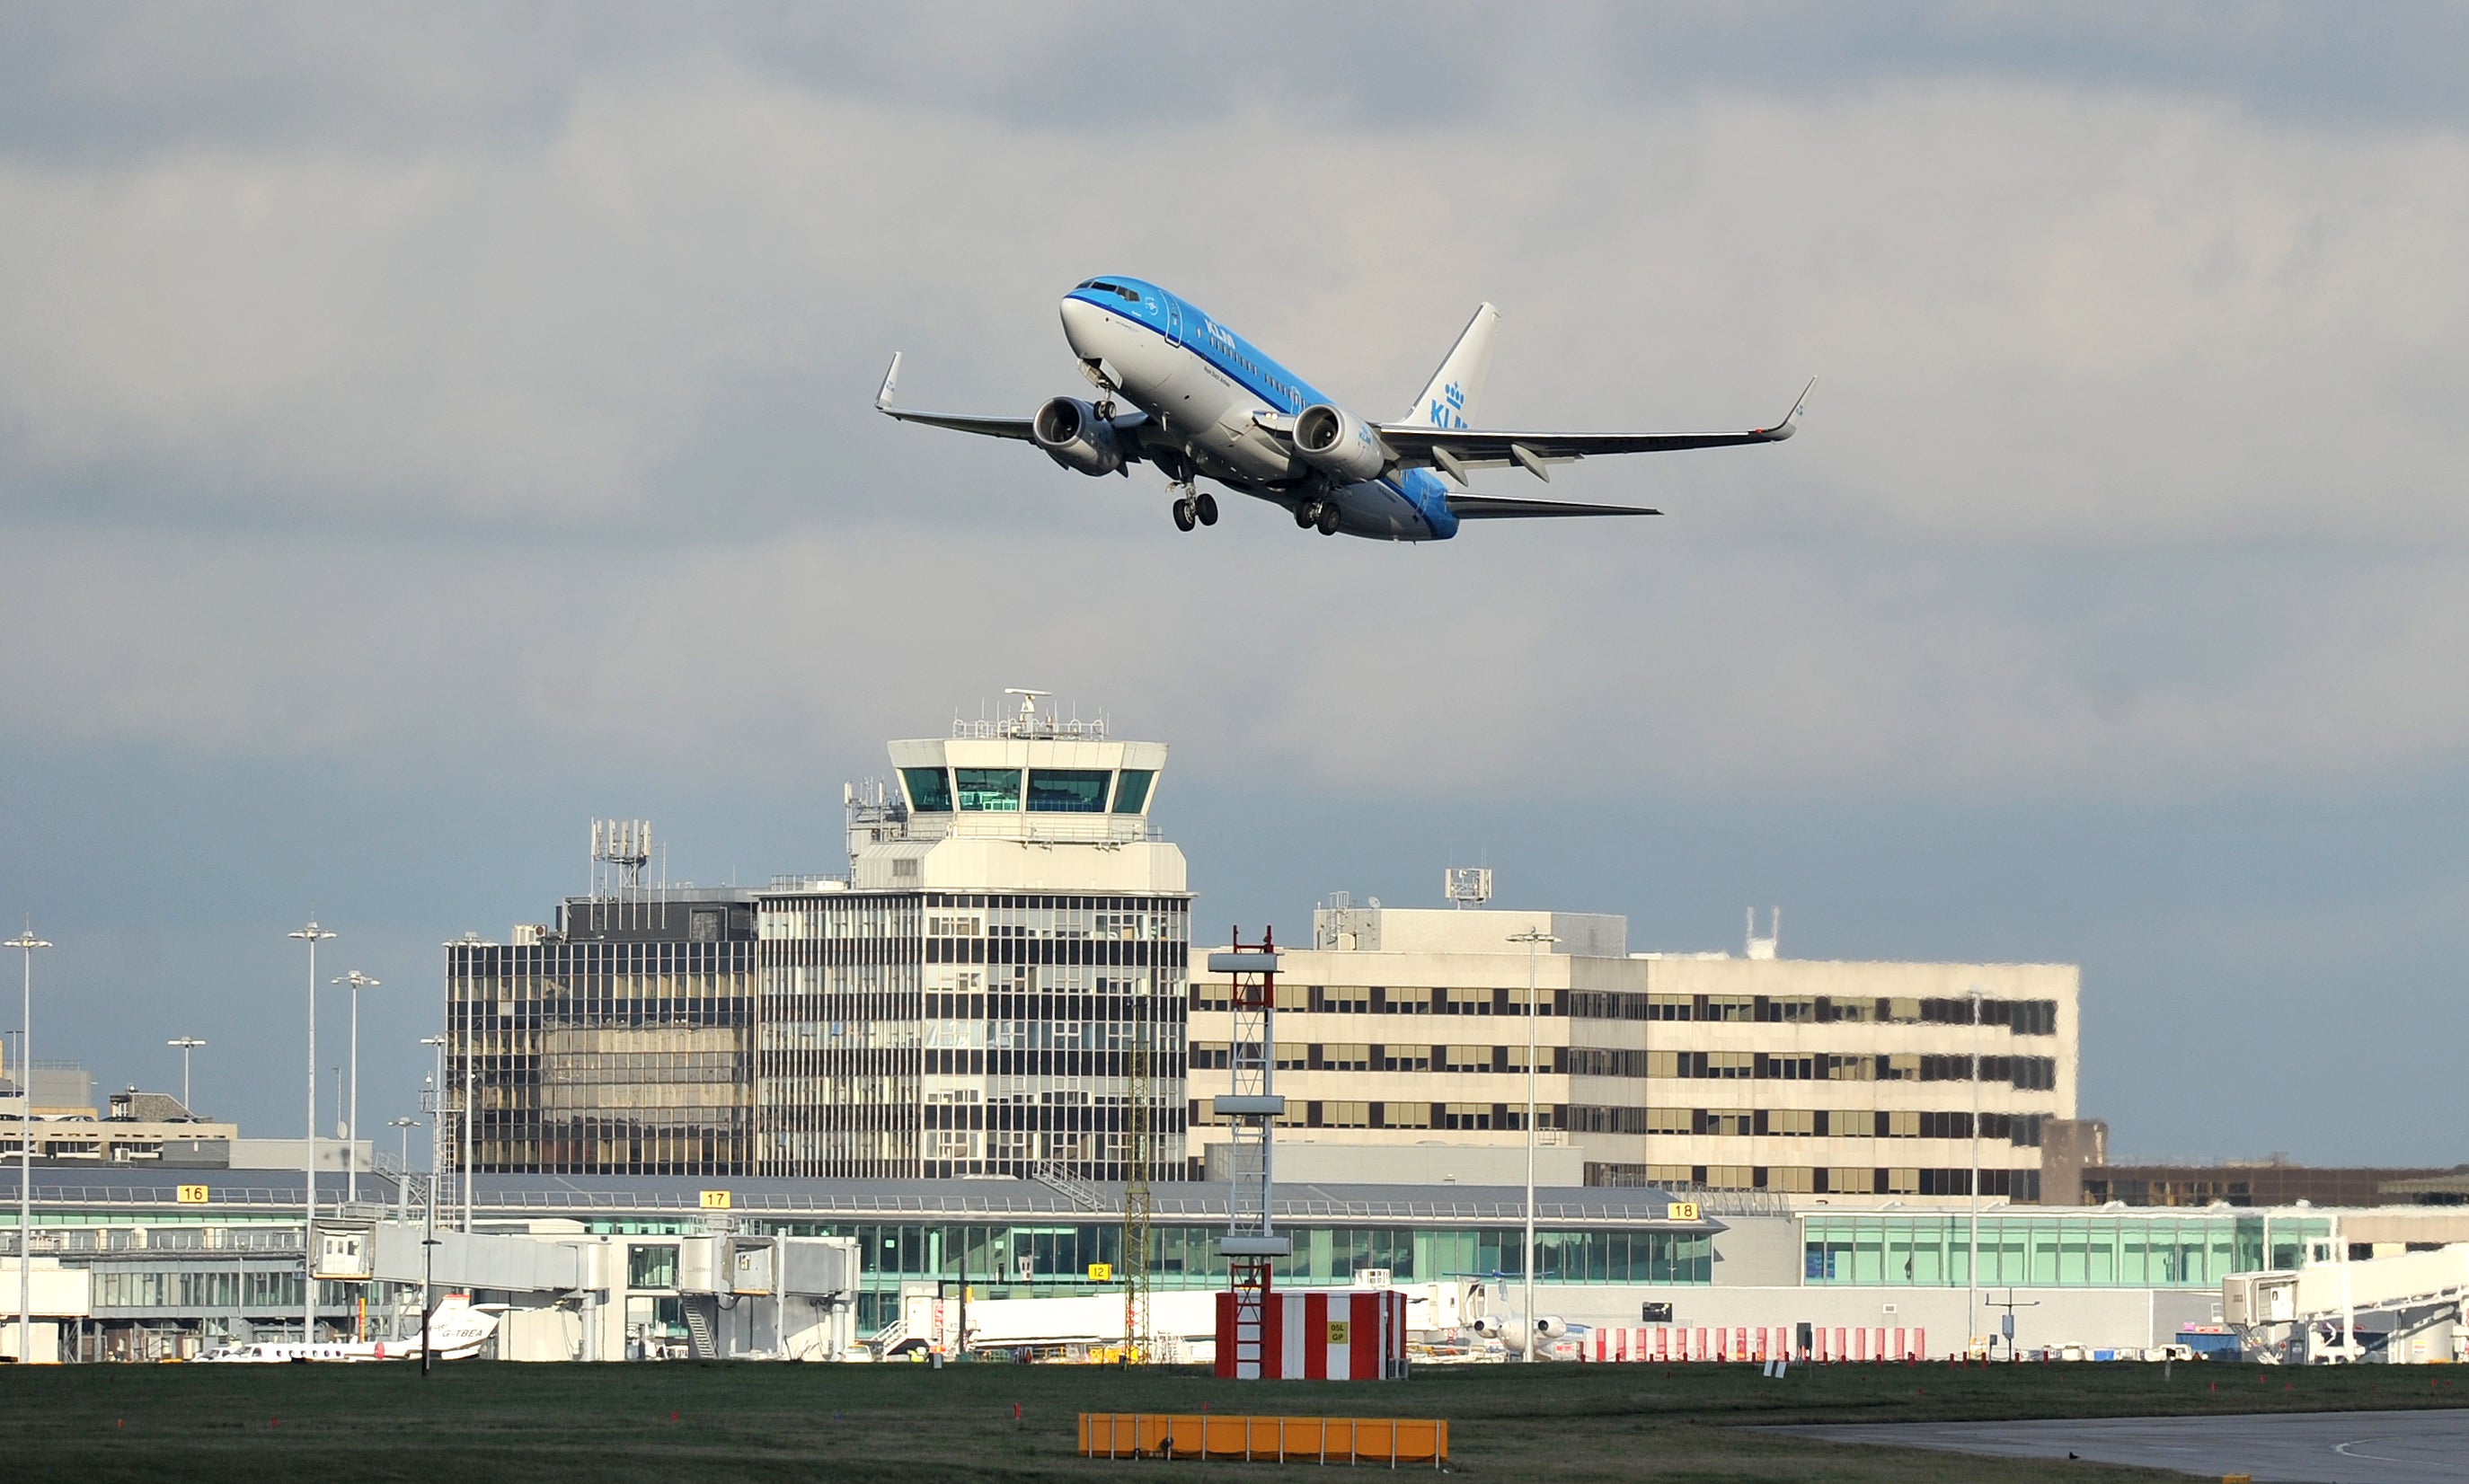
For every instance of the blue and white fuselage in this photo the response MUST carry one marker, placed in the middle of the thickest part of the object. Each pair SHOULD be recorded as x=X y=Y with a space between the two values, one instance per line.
x=1205 y=403
x=1208 y=389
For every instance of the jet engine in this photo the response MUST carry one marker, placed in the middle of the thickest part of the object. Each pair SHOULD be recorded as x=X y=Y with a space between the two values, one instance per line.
x=1550 y=1326
x=1073 y=436
x=1335 y=442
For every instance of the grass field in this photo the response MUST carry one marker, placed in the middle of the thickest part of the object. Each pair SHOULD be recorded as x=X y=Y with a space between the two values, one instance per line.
x=477 y=1421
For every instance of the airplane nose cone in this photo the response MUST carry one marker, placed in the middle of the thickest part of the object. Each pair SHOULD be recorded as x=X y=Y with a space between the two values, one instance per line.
x=1082 y=323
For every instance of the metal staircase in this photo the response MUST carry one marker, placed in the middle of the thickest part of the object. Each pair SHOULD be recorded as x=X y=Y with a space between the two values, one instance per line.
x=699 y=1338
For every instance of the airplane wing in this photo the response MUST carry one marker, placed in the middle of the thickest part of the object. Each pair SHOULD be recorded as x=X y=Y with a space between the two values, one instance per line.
x=1485 y=507
x=1456 y=450
x=991 y=428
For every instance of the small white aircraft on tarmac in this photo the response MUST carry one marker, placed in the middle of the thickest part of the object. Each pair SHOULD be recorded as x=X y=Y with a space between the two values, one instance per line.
x=456 y=1331
x=1205 y=403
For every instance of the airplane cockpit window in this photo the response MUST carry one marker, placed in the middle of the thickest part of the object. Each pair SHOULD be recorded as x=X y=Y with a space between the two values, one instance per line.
x=1103 y=286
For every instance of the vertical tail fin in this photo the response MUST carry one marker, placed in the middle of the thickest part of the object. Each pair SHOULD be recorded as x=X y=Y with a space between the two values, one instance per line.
x=1449 y=400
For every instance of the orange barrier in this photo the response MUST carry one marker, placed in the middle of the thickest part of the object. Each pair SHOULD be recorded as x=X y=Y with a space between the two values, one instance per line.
x=1348 y=1440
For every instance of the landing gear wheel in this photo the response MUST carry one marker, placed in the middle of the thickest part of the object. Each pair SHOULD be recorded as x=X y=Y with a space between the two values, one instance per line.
x=1306 y=515
x=1327 y=522
x=1185 y=517
x=1205 y=505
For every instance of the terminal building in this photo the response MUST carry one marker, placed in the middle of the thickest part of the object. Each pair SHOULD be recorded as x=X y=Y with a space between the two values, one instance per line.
x=996 y=987
x=1401 y=1041
x=945 y=1065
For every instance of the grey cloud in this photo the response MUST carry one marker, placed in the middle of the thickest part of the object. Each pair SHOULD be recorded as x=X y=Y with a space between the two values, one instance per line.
x=1696 y=664
x=122 y=79
x=2058 y=317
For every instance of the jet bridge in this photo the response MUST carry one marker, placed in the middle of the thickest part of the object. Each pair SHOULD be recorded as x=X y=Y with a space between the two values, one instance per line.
x=565 y=1292
x=2412 y=1309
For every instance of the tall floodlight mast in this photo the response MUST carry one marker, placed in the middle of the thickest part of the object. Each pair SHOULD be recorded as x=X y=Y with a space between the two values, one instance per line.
x=313 y=935
x=27 y=943
x=1253 y=1108
x=1139 y=1140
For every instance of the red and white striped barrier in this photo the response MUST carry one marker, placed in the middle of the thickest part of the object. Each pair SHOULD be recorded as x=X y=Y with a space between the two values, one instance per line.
x=1349 y=1335
x=1661 y=1343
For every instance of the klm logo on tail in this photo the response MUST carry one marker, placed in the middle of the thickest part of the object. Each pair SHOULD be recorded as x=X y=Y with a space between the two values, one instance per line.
x=1450 y=413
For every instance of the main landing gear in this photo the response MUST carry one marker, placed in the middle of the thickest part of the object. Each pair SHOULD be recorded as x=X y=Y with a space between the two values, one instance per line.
x=1316 y=514
x=1195 y=507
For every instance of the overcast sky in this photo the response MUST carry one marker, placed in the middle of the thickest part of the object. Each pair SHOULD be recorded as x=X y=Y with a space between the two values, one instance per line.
x=423 y=430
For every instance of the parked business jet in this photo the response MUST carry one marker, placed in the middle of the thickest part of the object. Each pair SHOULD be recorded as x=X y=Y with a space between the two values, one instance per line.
x=1205 y=403
x=456 y=1331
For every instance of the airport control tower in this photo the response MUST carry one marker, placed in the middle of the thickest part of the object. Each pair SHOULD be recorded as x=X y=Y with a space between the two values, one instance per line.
x=1006 y=961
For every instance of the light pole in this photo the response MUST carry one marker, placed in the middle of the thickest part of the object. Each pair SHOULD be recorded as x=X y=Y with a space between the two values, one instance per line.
x=27 y=943
x=1534 y=938
x=434 y=1104
x=1972 y=1274
x=358 y=981
x=403 y=1172
x=313 y=935
x=186 y=1044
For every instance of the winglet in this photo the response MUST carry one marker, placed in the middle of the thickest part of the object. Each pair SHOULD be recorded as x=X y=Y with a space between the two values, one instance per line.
x=1782 y=430
x=892 y=385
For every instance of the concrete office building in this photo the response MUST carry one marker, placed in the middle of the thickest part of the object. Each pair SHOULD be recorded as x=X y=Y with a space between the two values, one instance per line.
x=1401 y=1035
x=1000 y=970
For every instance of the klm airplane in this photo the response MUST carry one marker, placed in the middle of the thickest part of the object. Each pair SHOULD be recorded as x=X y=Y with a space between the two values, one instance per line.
x=1205 y=403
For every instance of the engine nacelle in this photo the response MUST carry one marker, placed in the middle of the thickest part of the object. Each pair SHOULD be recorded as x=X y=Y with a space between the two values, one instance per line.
x=1550 y=1326
x=1336 y=442
x=1073 y=436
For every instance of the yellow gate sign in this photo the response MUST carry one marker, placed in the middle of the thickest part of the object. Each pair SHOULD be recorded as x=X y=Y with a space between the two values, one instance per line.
x=1101 y=1273
x=715 y=1201
x=193 y=1195
x=1337 y=1332
x=1681 y=1211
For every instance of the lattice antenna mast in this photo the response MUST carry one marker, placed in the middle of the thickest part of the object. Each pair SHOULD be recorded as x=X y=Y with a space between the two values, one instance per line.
x=620 y=849
x=1253 y=1108
x=1139 y=1138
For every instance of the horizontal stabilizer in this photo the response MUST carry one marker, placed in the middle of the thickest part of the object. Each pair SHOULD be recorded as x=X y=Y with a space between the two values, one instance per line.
x=1486 y=507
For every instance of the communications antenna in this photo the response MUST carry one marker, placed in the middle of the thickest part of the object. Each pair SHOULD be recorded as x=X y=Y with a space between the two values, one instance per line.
x=620 y=849
x=1138 y=1137
x=1251 y=1243
x=1468 y=886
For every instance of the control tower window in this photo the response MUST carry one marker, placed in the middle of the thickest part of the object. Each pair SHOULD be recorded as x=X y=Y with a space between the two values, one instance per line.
x=993 y=790
x=929 y=790
x=1066 y=791
x=1132 y=791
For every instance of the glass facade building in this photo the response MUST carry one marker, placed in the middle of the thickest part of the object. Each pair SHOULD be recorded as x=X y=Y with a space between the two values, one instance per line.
x=996 y=987
x=2077 y=1249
